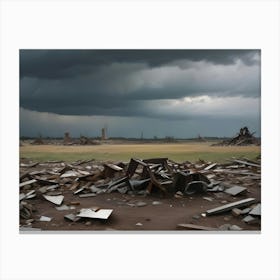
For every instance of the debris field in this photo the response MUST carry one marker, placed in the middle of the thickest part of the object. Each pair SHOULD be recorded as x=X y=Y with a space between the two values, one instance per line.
x=150 y=194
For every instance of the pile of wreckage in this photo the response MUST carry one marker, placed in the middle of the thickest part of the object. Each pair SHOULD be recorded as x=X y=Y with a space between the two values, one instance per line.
x=139 y=177
x=243 y=138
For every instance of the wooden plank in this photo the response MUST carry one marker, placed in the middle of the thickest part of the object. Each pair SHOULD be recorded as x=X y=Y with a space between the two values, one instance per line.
x=27 y=183
x=230 y=206
x=246 y=163
x=210 y=166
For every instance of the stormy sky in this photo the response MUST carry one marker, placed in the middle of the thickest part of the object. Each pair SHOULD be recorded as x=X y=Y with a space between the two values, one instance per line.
x=179 y=93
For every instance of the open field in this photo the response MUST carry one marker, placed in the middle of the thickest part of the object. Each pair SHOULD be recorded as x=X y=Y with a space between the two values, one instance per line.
x=178 y=152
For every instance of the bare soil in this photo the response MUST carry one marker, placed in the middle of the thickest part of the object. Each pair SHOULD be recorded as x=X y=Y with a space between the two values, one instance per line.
x=163 y=217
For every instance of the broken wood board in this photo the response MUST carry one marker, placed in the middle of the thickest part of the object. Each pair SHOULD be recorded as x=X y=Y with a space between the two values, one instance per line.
x=230 y=206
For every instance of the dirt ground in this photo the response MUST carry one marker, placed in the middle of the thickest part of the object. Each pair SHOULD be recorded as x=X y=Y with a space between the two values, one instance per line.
x=163 y=217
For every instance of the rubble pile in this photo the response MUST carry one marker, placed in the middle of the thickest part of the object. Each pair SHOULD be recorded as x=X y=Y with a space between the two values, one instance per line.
x=226 y=189
x=87 y=141
x=38 y=141
x=243 y=138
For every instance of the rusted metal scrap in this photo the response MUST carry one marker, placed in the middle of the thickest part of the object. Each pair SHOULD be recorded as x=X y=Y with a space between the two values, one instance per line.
x=148 y=167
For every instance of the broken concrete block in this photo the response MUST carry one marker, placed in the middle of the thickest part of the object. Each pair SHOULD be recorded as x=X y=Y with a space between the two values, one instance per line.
x=45 y=219
x=235 y=227
x=251 y=220
x=225 y=227
x=236 y=212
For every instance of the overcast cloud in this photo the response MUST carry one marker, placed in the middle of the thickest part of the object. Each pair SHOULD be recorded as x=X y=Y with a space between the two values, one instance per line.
x=139 y=90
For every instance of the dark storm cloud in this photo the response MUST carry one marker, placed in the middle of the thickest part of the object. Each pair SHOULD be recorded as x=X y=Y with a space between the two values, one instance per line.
x=57 y=64
x=125 y=82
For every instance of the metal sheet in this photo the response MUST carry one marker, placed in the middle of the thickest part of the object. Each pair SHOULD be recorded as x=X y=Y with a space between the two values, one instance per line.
x=235 y=190
x=54 y=199
x=100 y=214
x=229 y=206
x=256 y=211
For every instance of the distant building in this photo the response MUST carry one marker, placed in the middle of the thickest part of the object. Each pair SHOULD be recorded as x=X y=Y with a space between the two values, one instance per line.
x=67 y=138
x=103 y=134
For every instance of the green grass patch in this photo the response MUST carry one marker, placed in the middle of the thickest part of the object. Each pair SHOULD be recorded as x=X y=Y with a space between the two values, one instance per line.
x=119 y=153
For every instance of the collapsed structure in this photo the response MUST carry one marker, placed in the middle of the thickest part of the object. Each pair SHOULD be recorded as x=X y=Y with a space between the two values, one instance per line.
x=243 y=138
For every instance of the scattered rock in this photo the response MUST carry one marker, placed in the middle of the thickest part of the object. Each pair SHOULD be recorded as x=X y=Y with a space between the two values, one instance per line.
x=236 y=212
x=225 y=227
x=196 y=217
x=156 y=202
x=235 y=227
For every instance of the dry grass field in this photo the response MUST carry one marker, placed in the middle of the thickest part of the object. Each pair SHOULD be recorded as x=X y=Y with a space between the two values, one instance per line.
x=178 y=152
